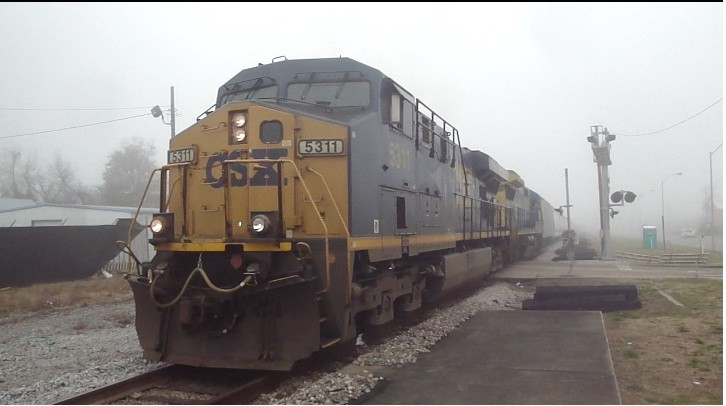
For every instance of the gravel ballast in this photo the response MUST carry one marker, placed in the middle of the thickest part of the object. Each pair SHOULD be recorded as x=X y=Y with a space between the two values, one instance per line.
x=65 y=352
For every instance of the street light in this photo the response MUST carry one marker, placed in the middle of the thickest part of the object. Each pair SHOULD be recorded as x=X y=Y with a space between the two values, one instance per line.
x=156 y=112
x=662 y=207
x=710 y=165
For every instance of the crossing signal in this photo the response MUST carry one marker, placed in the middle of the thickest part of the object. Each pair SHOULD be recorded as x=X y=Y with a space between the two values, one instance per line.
x=618 y=196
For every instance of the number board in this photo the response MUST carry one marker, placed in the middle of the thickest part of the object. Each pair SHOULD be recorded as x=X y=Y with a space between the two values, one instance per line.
x=180 y=156
x=320 y=147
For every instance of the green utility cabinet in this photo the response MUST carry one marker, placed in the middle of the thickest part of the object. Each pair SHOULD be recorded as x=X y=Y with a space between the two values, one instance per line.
x=650 y=237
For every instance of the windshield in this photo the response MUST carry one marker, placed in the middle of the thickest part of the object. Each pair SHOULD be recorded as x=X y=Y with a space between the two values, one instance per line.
x=331 y=94
x=249 y=94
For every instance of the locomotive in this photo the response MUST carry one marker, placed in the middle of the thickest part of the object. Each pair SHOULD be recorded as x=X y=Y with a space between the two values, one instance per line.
x=316 y=198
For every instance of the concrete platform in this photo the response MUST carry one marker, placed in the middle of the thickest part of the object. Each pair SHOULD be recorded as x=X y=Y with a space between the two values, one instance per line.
x=509 y=357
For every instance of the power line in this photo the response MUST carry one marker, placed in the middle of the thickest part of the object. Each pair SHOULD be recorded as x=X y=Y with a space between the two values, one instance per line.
x=674 y=125
x=77 y=126
x=76 y=109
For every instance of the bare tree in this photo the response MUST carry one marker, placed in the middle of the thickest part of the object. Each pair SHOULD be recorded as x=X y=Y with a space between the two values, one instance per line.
x=126 y=174
x=22 y=179
x=17 y=176
x=60 y=185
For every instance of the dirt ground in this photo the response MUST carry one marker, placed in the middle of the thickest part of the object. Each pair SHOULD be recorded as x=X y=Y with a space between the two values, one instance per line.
x=668 y=354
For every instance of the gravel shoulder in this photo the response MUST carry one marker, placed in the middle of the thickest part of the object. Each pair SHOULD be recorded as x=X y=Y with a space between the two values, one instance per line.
x=67 y=351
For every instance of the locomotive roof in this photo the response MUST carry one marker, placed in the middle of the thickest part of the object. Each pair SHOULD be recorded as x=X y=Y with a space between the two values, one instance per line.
x=284 y=72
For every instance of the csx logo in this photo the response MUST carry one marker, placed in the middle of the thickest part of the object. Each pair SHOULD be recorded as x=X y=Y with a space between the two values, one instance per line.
x=264 y=176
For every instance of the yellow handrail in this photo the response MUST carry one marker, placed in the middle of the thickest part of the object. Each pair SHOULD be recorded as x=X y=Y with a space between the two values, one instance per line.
x=143 y=197
x=141 y=202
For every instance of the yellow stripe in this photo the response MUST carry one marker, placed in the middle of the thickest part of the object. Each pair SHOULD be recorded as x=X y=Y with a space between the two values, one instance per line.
x=366 y=243
x=221 y=246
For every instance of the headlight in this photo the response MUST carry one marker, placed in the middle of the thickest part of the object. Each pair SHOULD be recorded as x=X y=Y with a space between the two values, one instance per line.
x=260 y=224
x=162 y=227
x=239 y=120
x=238 y=126
x=240 y=135
x=157 y=225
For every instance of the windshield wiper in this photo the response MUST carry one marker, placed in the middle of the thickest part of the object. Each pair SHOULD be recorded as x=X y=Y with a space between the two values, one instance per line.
x=317 y=104
x=347 y=107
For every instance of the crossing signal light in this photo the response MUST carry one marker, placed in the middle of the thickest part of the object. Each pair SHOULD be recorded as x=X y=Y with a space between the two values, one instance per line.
x=617 y=196
x=629 y=197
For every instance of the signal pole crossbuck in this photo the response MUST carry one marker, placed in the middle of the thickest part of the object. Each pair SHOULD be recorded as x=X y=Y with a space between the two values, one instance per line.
x=600 y=139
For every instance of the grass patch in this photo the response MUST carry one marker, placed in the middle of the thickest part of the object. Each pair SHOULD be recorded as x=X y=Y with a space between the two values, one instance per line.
x=30 y=299
x=630 y=354
x=663 y=348
x=680 y=400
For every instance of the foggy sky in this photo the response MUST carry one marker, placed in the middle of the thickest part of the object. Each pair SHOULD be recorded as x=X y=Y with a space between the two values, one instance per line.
x=521 y=82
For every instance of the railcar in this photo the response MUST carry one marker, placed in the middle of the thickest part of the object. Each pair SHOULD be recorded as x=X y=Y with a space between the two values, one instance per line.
x=313 y=199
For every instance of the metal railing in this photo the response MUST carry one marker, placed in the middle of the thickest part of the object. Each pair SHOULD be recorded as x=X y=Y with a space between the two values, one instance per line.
x=664 y=259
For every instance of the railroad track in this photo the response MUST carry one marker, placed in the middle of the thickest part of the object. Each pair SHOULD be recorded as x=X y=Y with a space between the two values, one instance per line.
x=182 y=385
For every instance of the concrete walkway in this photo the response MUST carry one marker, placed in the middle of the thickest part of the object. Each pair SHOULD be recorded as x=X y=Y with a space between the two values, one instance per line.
x=510 y=357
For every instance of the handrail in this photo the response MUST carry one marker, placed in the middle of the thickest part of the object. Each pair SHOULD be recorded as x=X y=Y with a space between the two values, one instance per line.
x=307 y=191
x=141 y=202
x=143 y=197
x=171 y=193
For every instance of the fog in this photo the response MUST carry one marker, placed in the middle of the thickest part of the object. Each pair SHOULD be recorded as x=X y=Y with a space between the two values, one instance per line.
x=521 y=82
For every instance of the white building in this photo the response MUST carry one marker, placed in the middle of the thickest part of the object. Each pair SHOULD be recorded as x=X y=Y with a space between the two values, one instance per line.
x=27 y=213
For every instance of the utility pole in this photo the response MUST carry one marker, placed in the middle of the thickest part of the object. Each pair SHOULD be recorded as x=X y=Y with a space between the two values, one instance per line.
x=600 y=139
x=157 y=112
x=173 y=114
x=567 y=194
x=713 y=225
x=570 y=247
x=662 y=207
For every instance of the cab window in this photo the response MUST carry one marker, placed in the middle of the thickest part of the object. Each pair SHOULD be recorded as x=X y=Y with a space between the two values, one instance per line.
x=271 y=132
x=401 y=114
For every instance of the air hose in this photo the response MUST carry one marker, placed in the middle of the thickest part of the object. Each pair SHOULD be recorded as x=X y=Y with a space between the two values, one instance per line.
x=186 y=285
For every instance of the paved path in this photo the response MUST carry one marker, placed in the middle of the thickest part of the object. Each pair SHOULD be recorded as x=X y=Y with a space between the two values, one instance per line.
x=510 y=357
